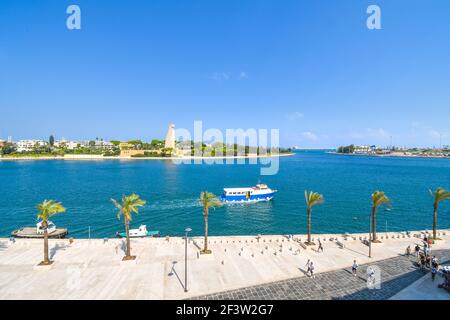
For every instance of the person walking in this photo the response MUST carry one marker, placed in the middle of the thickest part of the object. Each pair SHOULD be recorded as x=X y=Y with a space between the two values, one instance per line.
x=311 y=269
x=408 y=251
x=433 y=273
x=434 y=262
x=320 y=247
x=417 y=250
x=308 y=267
x=428 y=261
x=422 y=262
x=370 y=276
x=354 y=268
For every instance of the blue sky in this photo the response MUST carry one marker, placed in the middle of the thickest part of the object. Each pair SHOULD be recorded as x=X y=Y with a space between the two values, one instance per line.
x=310 y=68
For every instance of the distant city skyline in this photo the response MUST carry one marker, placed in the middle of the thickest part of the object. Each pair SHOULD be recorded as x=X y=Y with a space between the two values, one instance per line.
x=309 y=68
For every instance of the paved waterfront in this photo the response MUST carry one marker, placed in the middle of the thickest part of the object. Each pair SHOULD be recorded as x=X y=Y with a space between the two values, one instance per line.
x=92 y=269
x=396 y=274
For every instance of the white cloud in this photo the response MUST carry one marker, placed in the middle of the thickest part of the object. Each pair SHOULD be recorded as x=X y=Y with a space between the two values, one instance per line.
x=310 y=136
x=243 y=75
x=355 y=135
x=435 y=134
x=377 y=133
x=418 y=130
x=225 y=76
x=294 y=116
x=221 y=76
x=369 y=133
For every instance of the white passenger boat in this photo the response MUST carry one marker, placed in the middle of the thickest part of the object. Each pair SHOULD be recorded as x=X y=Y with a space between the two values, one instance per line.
x=260 y=192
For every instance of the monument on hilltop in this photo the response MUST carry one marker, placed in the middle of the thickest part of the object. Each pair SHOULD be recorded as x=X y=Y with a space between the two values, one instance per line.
x=170 y=138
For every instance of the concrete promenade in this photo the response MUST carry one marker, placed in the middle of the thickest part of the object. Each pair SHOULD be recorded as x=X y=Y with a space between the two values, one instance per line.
x=92 y=269
x=400 y=279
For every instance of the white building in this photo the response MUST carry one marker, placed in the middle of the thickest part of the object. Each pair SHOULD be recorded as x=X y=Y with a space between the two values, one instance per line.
x=69 y=145
x=103 y=144
x=362 y=149
x=28 y=145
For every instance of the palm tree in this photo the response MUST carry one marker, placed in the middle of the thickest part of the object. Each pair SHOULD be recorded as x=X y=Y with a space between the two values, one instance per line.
x=378 y=198
x=312 y=198
x=208 y=200
x=47 y=209
x=130 y=204
x=439 y=195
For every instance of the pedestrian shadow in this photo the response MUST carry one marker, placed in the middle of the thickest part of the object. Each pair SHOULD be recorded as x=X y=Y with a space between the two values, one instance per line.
x=195 y=244
x=55 y=249
x=123 y=246
x=303 y=271
x=174 y=272
x=358 y=274
x=3 y=245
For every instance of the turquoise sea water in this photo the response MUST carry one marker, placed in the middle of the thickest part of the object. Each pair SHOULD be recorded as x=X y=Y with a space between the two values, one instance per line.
x=85 y=189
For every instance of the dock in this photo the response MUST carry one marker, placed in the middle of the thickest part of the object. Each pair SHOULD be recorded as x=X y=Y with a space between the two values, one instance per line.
x=30 y=233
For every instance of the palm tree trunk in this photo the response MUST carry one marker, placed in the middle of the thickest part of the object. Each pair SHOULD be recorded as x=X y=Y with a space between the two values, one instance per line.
x=435 y=220
x=127 y=230
x=46 y=259
x=205 y=216
x=309 y=225
x=374 y=223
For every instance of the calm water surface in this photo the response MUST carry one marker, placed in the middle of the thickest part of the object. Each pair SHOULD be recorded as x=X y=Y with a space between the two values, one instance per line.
x=171 y=191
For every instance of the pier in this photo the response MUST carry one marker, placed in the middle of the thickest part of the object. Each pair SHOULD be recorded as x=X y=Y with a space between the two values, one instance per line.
x=30 y=233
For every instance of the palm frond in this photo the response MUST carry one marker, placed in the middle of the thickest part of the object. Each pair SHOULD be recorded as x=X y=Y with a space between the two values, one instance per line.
x=440 y=194
x=130 y=204
x=379 y=198
x=209 y=200
x=313 y=198
x=49 y=208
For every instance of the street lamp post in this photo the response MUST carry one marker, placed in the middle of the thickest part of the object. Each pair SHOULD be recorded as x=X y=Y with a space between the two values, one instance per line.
x=187 y=230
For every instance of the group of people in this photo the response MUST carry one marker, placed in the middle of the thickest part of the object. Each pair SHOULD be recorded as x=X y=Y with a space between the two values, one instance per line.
x=424 y=258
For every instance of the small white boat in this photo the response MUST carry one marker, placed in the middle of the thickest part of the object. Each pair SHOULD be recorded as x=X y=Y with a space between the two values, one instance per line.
x=139 y=233
x=51 y=227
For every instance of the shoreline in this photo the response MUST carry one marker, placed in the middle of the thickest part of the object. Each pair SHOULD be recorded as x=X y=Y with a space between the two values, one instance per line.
x=390 y=155
x=381 y=234
x=100 y=157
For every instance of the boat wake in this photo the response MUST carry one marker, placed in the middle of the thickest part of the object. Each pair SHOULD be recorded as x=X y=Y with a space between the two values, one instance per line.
x=174 y=204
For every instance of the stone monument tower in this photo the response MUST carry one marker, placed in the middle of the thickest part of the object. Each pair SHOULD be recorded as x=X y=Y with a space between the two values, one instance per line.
x=170 y=137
